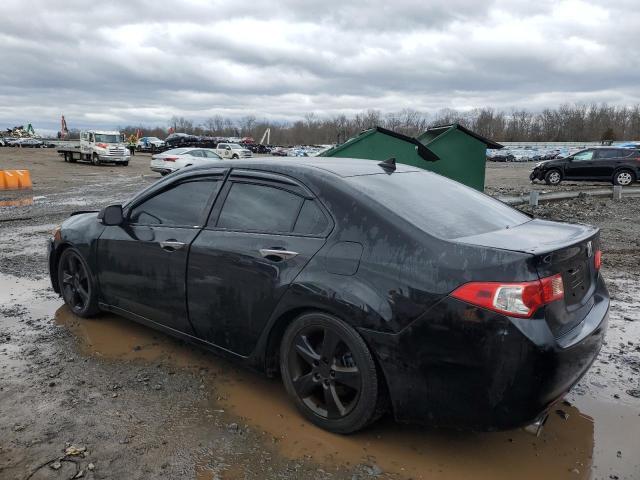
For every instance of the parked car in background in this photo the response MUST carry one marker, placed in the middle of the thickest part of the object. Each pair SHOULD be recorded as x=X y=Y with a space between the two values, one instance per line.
x=172 y=160
x=31 y=143
x=181 y=139
x=362 y=284
x=232 y=151
x=149 y=143
x=621 y=166
x=258 y=148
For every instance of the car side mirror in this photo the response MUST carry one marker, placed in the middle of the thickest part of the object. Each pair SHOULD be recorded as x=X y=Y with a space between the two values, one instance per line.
x=111 y=215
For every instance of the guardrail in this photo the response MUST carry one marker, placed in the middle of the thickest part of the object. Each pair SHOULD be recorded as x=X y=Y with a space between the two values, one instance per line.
x=534 y=197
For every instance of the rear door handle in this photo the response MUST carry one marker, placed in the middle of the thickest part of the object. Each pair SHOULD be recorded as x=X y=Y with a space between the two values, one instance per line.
x=172 y=245
x=277 y=254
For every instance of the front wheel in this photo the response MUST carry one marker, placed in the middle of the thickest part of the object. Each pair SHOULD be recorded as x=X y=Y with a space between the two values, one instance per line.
x=95 y=159
x=624 y=178
x=553 y=177
x=76 y=284
x=235 y=157
x=329 y=373
x=125 y=164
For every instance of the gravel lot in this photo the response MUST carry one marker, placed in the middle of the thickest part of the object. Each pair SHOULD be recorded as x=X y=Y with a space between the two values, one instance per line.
x=135 y=403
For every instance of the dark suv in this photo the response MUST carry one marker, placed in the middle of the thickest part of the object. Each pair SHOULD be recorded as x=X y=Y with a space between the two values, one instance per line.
x=621 y=166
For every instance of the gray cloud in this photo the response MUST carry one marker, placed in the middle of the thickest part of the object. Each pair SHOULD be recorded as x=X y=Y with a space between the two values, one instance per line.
x=116 y=63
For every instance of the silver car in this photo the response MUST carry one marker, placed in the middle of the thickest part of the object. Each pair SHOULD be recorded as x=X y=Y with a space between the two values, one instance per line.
x=177 y=158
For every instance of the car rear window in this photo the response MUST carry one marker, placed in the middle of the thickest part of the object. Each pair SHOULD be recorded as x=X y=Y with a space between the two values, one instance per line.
x=177 y=151
x=437 y=205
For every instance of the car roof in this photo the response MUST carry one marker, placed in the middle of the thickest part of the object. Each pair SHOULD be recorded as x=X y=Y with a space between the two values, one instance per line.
x=342 y=167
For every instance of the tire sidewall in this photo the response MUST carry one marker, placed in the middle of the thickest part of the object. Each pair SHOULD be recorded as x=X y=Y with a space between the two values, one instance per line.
x=365 y=409
x=92 y=305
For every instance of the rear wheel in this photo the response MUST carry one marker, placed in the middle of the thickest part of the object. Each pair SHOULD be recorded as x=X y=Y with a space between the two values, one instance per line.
x=623 y=178
x=553 y=177
x=330 y=373
x=76 y=284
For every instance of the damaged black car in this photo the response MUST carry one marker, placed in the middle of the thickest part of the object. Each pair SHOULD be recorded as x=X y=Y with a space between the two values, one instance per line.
x=368 y=287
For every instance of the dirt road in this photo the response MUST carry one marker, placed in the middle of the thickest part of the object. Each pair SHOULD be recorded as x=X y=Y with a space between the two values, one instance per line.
x=137 y=404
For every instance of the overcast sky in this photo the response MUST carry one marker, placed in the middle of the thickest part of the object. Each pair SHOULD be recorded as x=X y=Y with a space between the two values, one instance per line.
x=116 y=63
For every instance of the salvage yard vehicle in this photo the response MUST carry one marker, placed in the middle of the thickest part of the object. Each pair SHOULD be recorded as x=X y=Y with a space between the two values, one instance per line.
x=177 y=158
x=232 y=151
x=97 y=146
x=149 y=143
x=621 y=166
x=364 y=285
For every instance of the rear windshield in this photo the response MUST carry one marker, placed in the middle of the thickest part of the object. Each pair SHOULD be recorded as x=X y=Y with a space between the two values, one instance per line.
x=437 y=205
x=177 y=151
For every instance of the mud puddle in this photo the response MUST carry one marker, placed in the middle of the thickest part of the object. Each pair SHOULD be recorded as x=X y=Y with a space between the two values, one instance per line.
x=565 y=449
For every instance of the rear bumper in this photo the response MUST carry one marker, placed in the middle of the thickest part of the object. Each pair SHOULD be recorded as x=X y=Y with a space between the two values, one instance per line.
x=464 y=367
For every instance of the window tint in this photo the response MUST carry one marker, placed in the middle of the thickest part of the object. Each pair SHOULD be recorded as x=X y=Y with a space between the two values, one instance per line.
x=210 y=154
x=183 y=204
x=311 y=220
x=582 y=156
x=196 y=153
x=610 y=153
x=437 y=205
x=259 y=207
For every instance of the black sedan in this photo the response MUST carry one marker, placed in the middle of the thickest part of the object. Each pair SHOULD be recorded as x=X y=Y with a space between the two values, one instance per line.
x=621 y=166
x=367 y=286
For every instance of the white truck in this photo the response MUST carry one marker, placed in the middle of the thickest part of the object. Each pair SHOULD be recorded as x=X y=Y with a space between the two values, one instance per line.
x=98 y=146
x=232 y=150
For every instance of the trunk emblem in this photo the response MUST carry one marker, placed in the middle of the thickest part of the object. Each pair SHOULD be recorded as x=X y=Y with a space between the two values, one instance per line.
x=589 y=249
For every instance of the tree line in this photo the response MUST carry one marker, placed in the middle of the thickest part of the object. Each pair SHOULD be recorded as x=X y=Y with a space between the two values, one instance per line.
x=567 y=123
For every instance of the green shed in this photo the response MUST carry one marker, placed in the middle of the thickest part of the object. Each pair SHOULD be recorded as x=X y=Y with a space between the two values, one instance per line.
x=463 y=153
x=381 y=144
x=450 y=150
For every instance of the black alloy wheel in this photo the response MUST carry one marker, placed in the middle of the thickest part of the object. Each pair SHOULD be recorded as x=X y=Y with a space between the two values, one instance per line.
x=329 y=372
x=76 y=284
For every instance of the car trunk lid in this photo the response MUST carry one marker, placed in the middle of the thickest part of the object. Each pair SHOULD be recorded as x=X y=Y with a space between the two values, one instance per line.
x=567 y=249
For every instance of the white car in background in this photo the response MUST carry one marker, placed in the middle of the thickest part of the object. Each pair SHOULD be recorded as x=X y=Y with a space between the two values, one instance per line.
x=177 y=158
x=149 y=142
x=232 y=150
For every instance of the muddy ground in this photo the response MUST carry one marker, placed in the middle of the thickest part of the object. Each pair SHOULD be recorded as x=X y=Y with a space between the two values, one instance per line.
x=126 y=402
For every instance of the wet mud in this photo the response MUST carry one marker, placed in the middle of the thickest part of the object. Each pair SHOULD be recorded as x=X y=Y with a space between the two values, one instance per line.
x=566 y=447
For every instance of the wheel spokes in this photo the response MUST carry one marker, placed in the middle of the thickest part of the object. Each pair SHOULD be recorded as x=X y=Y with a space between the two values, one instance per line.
x=347 y=376
x=305 y=350
x=332 y=401
x=304 y=385
x=329 y=345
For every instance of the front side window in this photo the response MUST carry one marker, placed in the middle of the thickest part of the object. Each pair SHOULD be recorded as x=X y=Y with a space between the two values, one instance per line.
x=583 y=156
x=253 y=207
x=183 y=204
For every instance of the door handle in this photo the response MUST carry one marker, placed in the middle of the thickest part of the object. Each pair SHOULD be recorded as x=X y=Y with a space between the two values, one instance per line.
x=277 y=254
x=172 y=245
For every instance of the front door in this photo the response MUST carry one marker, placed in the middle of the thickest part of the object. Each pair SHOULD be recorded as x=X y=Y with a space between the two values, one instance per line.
x=142 y=263
x=579 y=165
x=255 y=245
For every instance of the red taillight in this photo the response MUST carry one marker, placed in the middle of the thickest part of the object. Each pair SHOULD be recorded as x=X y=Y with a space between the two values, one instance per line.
x=597 y=259
x=170 y=159
x=519 y=299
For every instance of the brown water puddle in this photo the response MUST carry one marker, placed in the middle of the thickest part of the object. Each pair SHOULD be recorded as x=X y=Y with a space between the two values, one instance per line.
x=564 y=449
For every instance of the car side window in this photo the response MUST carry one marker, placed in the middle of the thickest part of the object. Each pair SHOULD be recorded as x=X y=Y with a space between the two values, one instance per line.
x=609 y=153
x=183 y=204
x=256 y=207
x=583 y=156
x=196 y=153
x=210 y=154
x=311 y=220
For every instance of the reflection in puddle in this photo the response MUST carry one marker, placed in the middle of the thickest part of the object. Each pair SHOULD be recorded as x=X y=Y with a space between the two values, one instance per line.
x=564 y=449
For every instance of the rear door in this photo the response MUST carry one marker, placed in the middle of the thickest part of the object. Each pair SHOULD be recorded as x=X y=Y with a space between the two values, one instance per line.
x=604 y=163
x=262 y=232
x=579 y=165
x=142 y=263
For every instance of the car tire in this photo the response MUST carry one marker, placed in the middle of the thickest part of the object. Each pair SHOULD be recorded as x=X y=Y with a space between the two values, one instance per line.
x=624 y=178
x=553 y=177
x=235 y=157
x=77 y=284
x=95 y=159
x=125 y=164
x=330 y=374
